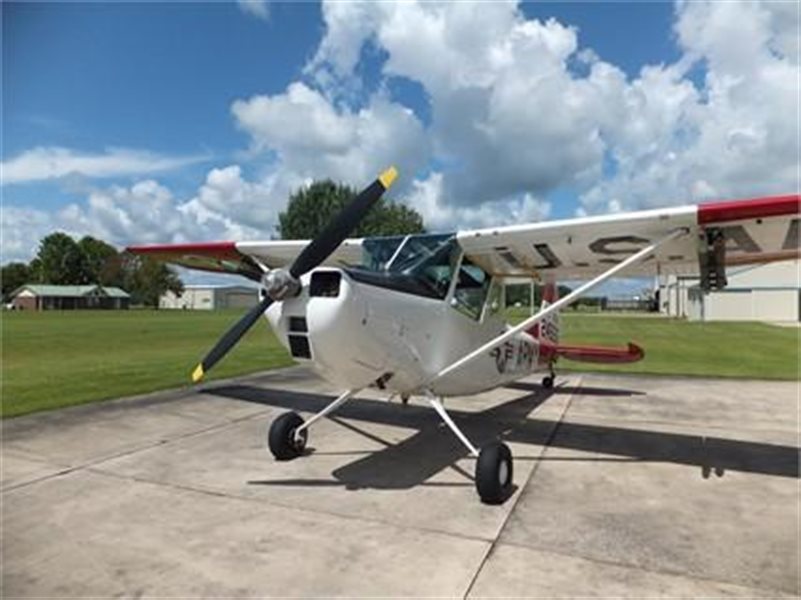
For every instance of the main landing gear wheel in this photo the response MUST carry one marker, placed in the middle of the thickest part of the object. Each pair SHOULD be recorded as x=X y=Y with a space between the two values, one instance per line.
x=494 y=473
x=282 y=440
x=547 y=382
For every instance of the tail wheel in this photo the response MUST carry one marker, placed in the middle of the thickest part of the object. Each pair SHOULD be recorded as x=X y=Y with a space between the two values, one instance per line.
x=494 y=473
x=283 y=442
x=547 y=382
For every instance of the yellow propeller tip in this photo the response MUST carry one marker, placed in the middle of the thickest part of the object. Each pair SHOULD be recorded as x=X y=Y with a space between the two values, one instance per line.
x=197 y=374
x=388 y=177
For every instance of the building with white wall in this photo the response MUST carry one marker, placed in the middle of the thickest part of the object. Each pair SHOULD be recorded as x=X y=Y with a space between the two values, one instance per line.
x=211 y=297
x=770 y=292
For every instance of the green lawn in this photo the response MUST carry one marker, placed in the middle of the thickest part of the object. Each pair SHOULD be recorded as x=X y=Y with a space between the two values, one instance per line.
x=677 y=347
x=54 y=359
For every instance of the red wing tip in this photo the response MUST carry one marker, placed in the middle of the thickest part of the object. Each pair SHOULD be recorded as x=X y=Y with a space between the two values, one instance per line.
x=187 y=248
x=737 y=210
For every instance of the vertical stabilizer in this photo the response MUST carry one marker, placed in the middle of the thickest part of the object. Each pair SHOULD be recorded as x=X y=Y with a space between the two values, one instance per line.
x=547 y=330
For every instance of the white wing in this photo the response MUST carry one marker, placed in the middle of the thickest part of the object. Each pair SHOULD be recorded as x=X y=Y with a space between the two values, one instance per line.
x=758 y=230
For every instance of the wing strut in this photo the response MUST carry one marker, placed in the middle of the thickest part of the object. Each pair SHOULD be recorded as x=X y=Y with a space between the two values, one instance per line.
x=562 y=302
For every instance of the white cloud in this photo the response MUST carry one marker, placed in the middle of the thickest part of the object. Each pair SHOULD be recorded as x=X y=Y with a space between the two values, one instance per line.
x=20 y=232
x=314 y=138
x=146 y=213
x=50 y=162
x=511 y=116
x=508 y=116
x=249 y=206
x=736 y=136
x=427 y=198
x=255 y=8
x=518 y=109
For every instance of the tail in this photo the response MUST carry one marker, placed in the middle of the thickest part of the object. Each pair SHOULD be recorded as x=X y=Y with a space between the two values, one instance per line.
x=547 y=330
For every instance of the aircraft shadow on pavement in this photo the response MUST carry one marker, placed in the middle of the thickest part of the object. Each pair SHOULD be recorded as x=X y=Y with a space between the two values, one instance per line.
x=524 y=386
x=433 y=447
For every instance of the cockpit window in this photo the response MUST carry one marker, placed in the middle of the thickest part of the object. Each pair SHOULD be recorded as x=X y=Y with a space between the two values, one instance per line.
x=471 y=289
x=377 y=252
x=400 y=253
x=435 y=268
x=417 y=264
x=418 y=248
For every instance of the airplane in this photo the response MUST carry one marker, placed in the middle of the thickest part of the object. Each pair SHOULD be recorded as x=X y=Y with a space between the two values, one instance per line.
x=422 y=315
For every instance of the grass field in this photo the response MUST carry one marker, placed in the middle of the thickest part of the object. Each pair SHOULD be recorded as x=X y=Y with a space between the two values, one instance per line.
x=54 y=359
x=676 y=347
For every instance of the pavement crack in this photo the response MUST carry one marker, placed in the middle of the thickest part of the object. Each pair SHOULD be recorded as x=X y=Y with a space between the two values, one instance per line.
x=131 y=451
x=286 y=506
x=494 y=542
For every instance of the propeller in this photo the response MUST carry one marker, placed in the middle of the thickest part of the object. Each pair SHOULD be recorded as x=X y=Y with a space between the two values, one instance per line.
x=283 y=283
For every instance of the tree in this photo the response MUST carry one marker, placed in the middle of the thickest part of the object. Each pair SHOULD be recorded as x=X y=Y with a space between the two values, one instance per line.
x=61 y=261
x=148 y=279
x=98 y=256
x=311 y=208
x=14 y=275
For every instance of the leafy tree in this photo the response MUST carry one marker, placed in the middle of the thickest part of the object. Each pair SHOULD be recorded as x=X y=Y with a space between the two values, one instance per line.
x=147 y=279
x=61 y=261
x=14 y=275
x=35 y=269
x=98 y=254
x=311 y=208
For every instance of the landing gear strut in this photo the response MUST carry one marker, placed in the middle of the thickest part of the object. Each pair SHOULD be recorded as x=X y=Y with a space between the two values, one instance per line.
x=493 y=463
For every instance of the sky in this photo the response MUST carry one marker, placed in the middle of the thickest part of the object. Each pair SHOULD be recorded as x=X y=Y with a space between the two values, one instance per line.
x=174 y=122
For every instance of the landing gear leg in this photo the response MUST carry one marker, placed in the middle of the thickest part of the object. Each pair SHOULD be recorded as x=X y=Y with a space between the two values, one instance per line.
x=493 y=464
x=289 y=433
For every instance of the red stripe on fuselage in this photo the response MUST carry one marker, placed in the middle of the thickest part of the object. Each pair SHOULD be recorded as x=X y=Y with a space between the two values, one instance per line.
x=720 y=212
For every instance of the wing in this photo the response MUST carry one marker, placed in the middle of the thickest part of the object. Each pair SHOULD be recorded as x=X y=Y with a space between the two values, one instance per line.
x=243 y=258
x=738 y=232
x=752 y=231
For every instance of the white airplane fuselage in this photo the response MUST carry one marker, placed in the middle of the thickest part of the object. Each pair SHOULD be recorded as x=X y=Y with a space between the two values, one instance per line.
x=369 y=335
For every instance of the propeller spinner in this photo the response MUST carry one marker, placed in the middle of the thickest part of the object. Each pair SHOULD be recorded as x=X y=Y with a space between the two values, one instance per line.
x=284 y=283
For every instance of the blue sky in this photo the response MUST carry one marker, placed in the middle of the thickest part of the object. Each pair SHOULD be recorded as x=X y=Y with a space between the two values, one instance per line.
x=194 y=120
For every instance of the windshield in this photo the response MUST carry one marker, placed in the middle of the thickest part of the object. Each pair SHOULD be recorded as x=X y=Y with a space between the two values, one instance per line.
x=417 y=264
x=401 y=253
x=377 y=252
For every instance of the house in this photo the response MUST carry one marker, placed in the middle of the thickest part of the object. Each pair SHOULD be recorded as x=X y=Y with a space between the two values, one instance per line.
x=34 y=296
x=211 y=297
x=769 y=292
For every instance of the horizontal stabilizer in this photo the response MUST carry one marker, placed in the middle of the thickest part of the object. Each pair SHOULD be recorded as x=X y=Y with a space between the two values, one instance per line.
x=600 y=354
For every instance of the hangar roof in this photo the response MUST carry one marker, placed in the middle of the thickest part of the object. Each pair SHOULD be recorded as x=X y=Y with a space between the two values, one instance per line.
x=70 y=291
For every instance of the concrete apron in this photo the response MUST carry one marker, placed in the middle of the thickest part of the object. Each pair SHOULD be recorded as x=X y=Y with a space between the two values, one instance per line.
x=175 y=494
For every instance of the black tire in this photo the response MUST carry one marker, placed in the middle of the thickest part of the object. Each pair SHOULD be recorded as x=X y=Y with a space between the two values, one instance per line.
x=494 y=473
x=282 y=440
x=547 y=382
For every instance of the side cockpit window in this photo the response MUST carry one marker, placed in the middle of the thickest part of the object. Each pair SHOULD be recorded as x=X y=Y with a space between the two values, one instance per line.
x=472 y=287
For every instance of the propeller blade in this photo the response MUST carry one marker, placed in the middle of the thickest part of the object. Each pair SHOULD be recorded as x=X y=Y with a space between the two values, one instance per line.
x=312 y=255
x=341 y=227
x=231 y=337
